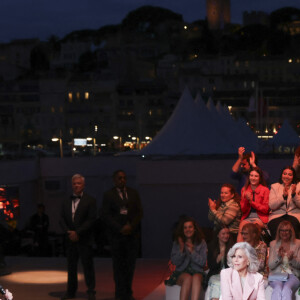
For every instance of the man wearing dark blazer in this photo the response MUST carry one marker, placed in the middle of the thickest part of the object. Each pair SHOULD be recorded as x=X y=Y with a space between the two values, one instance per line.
x=78 y=215
x=122 y=213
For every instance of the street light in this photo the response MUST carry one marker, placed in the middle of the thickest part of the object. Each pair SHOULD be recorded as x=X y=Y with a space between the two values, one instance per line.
x=94 y=143
x=137 y=139
x=56 y=139
x=120 y=140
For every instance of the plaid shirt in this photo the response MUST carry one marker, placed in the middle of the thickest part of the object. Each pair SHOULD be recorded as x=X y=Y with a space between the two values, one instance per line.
x=229 y=214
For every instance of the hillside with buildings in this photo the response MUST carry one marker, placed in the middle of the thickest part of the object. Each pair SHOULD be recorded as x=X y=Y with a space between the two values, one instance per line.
x=117 y=86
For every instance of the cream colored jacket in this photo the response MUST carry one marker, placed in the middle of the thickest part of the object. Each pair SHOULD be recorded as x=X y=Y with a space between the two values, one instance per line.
x=279 y=206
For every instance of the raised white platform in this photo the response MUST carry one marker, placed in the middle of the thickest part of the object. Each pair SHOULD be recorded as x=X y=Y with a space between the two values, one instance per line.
x=163 y=292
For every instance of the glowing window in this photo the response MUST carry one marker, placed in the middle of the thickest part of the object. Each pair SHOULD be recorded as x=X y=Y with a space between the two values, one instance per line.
x=70 y=97
x=86 y=95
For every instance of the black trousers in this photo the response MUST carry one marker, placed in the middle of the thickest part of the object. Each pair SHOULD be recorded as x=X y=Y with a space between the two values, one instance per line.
x=85 y=253
x=273 y=224
x=124 y=253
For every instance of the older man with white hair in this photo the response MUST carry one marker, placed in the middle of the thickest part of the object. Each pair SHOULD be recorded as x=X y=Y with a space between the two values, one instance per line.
x=78 y=215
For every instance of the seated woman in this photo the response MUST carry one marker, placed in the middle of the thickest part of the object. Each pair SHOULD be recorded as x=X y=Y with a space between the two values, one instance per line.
x=226 y=211
x=254 y=201
x=5 y=294
x=284 y=258
x=189 y=256
x=241 y=280
x=217 y=259
x=284 y=201
x=251 y=235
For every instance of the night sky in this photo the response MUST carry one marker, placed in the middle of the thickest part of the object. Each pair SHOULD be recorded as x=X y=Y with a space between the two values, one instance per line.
x=43 y=18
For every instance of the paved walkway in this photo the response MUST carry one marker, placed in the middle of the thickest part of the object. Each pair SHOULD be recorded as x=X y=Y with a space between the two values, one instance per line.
x=45 y=278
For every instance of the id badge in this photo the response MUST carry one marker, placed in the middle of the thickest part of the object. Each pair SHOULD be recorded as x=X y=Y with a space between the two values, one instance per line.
x=123 y=211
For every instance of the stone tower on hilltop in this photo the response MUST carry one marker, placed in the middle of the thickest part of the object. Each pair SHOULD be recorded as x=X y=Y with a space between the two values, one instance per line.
x=218 y=13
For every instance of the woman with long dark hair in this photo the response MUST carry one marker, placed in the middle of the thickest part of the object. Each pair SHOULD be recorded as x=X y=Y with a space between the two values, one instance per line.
x=284 y=201
x=189 y=256
x=217 y=259
x=254 y=201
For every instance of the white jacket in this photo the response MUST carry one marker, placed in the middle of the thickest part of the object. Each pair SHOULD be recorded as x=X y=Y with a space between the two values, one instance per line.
x=279 y=206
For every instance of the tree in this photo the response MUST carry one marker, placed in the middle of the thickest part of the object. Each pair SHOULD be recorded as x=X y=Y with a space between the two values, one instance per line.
x=146 y=18
x=284 y=15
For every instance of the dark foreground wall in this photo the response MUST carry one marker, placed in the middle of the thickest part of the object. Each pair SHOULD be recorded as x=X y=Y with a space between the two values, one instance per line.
x=168 y=188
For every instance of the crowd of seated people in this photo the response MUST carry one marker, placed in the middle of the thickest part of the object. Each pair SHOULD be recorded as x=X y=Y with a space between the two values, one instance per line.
x=240 y=265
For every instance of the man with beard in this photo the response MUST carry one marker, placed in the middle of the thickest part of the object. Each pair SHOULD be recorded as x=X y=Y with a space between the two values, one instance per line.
x=242 y=167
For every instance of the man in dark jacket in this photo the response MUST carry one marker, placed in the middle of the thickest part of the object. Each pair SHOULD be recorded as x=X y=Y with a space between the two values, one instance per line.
x=122 y=213
x=78 y=215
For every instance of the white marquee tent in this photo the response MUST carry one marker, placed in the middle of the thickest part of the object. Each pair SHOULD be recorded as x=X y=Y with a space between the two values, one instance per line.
x=194 y=129
x=286 y=136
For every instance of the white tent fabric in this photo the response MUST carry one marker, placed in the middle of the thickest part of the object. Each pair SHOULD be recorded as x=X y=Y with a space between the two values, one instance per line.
x=189 y=131
x=286 y=136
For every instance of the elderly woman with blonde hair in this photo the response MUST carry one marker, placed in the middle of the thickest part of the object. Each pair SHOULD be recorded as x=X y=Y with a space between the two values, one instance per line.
x=241 y=281
x=284 y=262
